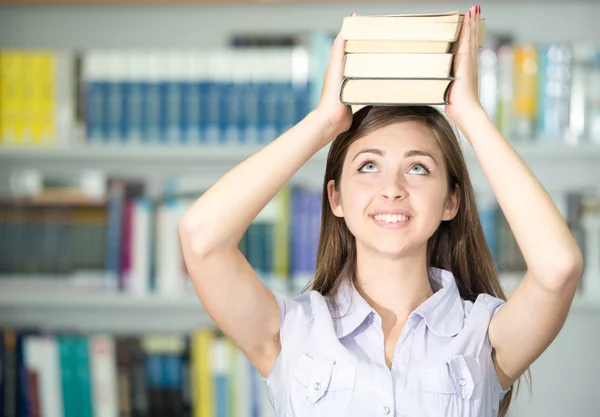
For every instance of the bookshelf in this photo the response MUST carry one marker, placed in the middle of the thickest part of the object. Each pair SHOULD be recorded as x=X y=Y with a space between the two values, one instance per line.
x=558 y=166
x=127 y=314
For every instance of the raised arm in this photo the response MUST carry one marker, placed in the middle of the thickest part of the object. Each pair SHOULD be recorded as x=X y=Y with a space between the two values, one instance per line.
x=210 y=231
x=532 y=317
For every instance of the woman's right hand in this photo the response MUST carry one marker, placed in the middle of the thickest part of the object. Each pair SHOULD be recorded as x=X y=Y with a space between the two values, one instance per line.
x=337 y=114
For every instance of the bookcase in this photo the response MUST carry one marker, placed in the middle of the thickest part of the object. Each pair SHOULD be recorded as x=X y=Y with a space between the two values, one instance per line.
x=561 y=167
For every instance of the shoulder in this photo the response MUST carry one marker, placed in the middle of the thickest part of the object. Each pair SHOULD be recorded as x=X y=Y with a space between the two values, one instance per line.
x=298 y=311
x=478 y=315
x=484 y=306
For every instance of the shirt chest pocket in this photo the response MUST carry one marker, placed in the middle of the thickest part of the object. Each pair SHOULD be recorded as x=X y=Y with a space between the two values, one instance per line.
x=452 y=388
x=321 y=386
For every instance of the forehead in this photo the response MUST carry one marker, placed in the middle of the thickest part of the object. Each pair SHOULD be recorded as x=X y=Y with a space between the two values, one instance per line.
x=398 y=135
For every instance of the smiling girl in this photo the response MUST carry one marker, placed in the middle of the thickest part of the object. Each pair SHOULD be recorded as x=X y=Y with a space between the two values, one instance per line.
x=405 y=315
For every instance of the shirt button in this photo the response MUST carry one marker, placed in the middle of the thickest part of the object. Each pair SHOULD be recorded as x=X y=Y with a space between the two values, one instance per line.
x=317 y=386
x=462 y=382
x=386 y=410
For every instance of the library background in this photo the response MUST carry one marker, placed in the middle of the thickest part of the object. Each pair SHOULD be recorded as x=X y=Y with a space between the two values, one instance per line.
x=115 y=117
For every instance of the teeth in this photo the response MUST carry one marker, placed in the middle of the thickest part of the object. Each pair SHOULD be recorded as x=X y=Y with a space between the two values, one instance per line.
x=391 y=218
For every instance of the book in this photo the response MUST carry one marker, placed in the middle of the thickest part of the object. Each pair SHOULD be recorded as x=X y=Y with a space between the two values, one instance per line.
x=398 y=65
x=391 y=46
x=438 y=27
x=387 y=91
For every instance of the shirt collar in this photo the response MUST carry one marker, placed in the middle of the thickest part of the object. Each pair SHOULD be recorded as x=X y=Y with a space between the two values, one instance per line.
x=443 y=311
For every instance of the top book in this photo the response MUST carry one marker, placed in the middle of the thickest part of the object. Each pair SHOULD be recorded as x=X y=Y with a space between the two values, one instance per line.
x=443 y=27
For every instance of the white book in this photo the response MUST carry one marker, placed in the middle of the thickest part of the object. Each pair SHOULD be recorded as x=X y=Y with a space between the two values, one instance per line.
x=103 y=376
x=41 y=357
x=170 y=279
x=139 y=278
x=243 y=385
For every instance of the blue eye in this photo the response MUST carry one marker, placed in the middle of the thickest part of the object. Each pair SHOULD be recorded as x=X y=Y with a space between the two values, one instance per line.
x=424 y=171
x=364 y=165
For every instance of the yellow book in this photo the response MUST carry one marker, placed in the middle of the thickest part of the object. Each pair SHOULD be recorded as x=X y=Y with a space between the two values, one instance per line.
x=11 y=66
x=43 y=102
x=202 y=342
x=525 y=90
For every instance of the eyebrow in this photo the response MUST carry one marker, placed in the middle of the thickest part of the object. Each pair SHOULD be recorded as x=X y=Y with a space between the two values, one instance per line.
x=412 y=152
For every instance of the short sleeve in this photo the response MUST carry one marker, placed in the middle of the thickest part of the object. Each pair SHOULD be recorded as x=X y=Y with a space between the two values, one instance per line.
x=493 y=305
x=294 y=314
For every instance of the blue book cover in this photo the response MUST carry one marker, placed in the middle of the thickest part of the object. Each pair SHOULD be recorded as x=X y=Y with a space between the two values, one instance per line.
x=133 y=101
x=268 y=102
x=114 y=225
x=96 y=95
x=83 y=383
x=153 y=99
x=67 y=372
x=287 y=116
x=191 y=112
x=251 y=104
x=154 y=378
x=173 y=101
x=115 y=125
x=23 y=401
x=212 y=106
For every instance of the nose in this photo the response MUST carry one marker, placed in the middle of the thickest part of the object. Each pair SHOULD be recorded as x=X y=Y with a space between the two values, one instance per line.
x=394 y=189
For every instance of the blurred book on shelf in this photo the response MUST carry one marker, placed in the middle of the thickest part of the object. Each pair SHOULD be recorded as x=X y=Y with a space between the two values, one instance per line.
x=126 y=241
x=128 y=375
x=261 y=85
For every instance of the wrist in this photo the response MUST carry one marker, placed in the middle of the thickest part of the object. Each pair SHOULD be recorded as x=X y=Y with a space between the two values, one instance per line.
x=468 y=115
x=330 y=128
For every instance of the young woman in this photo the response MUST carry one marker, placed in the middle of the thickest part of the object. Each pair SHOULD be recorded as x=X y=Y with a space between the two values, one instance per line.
x=406 y=316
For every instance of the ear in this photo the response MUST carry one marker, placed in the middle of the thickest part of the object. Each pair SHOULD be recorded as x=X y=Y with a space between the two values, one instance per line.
x=452 y=204
x=334 y=199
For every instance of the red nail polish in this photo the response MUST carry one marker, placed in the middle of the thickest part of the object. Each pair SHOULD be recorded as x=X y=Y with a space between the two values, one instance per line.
x=478 y=9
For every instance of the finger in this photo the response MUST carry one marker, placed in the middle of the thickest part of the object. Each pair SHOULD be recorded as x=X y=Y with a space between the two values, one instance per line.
x=465 y=32
x=477 y=29
x=473 y=40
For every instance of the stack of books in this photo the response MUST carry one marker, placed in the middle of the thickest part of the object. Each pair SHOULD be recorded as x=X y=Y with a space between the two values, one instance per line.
x=400 y=59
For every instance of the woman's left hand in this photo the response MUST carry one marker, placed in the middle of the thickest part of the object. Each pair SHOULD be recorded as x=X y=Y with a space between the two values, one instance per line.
x=463 y=97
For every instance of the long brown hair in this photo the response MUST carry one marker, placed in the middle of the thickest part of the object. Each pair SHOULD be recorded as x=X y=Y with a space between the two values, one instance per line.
x=458 y=245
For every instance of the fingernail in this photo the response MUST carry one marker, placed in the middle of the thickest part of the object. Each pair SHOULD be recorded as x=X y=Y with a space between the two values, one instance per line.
x=354 y=13
x=478 y=9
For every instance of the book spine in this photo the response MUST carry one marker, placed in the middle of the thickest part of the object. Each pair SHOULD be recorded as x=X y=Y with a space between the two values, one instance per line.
x=84 y=387
x=251 y=105
x=95 y=77
x=174 y=88
x=213 y=94
x=103 y=375
x=525 y=87
x=10 y=371
x=192 y=112
x=133 y=98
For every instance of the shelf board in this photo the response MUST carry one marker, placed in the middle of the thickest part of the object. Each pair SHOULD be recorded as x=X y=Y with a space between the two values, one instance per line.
x=115 y=313
x=232 y=153
x=122 y=313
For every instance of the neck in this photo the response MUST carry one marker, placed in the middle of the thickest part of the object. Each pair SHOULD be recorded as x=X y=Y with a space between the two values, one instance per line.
x=393 y=287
